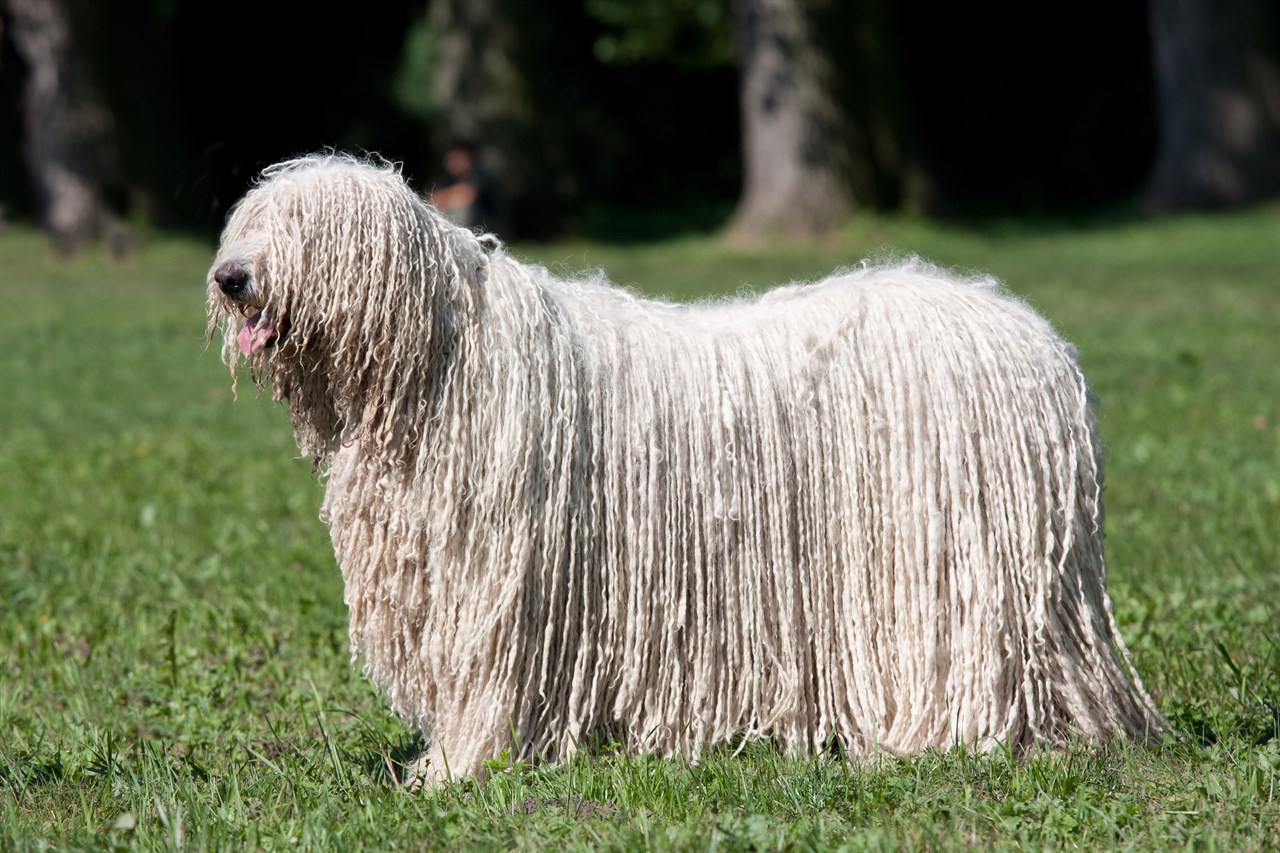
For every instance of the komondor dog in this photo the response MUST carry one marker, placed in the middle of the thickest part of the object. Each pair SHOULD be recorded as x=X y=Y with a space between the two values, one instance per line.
x=863 y=512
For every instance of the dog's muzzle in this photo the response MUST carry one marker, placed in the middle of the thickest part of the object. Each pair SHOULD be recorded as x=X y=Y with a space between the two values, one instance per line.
x=232 y=279
x=262 y=327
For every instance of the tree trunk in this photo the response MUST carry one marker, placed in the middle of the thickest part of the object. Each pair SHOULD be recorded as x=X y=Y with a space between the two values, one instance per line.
x=797 y=165
x=1218 y=103
x=826 y=127
x=68 y=136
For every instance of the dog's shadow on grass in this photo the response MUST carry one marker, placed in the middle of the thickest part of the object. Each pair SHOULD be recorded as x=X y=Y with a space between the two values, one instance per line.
x=389 y=763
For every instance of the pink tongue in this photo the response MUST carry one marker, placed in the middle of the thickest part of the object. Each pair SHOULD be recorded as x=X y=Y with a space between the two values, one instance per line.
x=257 y=333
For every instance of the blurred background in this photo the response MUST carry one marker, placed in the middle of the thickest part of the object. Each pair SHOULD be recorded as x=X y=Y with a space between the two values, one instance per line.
x=173 y=638
x=630 y=119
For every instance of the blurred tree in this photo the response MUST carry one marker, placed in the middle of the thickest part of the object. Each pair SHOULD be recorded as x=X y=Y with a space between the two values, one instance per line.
x=601 y=113
x=412 y=83
x=825 y=129
x=510 y=77
x=797 y=165
x=69 y=137
x=1218 y=103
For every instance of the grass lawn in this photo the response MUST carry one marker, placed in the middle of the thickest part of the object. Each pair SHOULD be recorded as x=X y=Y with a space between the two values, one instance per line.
x=174 y=666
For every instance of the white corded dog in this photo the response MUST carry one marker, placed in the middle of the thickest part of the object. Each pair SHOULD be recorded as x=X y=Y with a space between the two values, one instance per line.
x=865 y=510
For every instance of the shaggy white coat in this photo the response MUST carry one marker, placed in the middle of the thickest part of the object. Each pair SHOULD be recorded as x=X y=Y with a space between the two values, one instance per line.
x=866 y=510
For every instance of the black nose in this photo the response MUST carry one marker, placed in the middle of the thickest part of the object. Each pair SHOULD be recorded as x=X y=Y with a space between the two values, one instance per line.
x=231 y=277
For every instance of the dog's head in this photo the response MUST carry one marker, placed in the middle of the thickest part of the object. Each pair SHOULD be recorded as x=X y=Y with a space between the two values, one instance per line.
x=335 y=284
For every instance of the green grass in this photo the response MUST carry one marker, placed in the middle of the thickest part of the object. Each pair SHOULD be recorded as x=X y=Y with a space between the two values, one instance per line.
x=173 y=657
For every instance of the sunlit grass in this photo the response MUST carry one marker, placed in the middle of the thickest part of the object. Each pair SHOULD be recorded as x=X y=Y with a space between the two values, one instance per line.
x=173 y=657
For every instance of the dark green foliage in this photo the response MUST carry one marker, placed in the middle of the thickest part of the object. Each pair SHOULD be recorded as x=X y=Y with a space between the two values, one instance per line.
x=686 y=33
